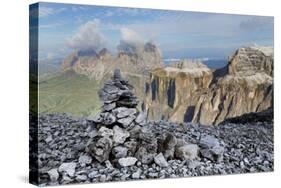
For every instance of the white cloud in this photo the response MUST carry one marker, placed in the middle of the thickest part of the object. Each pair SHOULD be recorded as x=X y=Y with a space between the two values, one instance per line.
x=130 y=41
x=130 y=36
x=88 y=37
x=47 y=11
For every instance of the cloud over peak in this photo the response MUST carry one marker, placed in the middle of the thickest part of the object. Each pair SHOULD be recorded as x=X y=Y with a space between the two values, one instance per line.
x=88 y=37
x=130 y=41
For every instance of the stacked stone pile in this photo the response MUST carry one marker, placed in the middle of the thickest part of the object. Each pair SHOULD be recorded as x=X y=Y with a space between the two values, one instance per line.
x=118 y=123
x=124 y=137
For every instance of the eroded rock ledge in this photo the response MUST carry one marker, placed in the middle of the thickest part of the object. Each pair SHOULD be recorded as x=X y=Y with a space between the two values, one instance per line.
x=191 y=92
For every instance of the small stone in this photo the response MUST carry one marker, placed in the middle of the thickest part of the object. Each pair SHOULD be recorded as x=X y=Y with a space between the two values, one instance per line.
x=209 y=142
x=93 y=174
x=160 y=160
x=193 y=164
x=126 y=121
x=105 y=132
x=123 y=112
x=69 y=168
x=144 y=155
x=214 y=154
x=117 y=74
x=93 y=134
x=152 y=174
x=120 y=135
x=109 y=107
x=102 y=178
x=85 y=159
x=131 y=145
x=66 y=179
x=167 y=146
x=136 y=175
x=110 y=89
x=100 y=149
x=49 y=139
x=108 y=118
x=108 y=164
x=53 y=174
x=81 y=178
x=119 y=152
x=128 y=161
x=187 y=152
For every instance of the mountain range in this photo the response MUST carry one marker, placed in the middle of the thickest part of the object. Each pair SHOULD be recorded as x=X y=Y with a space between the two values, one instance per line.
x=184 y=91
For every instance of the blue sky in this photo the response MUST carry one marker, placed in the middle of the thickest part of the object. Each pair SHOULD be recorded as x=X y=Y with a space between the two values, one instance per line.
x=64 y=28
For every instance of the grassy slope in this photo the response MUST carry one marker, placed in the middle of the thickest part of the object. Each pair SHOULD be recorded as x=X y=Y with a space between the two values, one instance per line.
x=69 y=92
x=76 y=94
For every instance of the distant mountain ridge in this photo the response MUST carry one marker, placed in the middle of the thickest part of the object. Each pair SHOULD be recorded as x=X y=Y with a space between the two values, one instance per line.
x=129 y=59
x=186 y=91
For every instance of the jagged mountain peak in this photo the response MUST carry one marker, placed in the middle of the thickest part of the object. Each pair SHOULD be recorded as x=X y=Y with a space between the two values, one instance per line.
x=248 y=61
x=89 y=52
x=104 y=52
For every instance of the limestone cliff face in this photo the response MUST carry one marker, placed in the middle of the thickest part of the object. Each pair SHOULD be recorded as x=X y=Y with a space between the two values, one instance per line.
x=190 y=92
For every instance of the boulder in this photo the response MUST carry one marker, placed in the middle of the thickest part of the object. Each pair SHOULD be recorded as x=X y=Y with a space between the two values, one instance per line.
x=119 y=135
x=144 y=156
x=105 y=118
x=109 y=106
x=211 y=148
x=209 y=141
x=214 y=154
x=122 y=112
x=128 y=161
x=125 y=122
x=160 y=160
x=187 y=152
x=84 y=160
x=167 y=146
x=136 y=175
x=53 y=174
x=132 y=145
x=119 y=152
x=100 y=149
x=68 y=168
x=105 y=132
x=108 y=119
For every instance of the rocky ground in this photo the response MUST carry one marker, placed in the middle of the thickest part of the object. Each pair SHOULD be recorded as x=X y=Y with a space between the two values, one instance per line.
x=63 y=160
x=120 y=144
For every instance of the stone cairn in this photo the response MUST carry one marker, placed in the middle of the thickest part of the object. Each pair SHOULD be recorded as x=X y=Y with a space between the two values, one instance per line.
x=124 y=136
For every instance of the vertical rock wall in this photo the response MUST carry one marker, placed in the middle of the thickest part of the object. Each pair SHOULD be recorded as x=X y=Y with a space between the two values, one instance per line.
x=190 y=92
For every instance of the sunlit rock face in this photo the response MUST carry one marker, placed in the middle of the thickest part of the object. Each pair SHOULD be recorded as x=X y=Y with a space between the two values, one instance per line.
x=190 y=92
